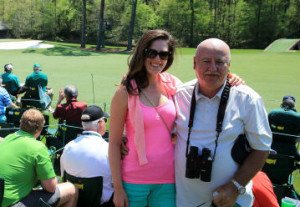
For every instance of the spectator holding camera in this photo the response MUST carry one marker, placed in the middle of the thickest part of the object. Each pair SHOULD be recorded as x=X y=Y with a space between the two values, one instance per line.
x=70 y=111
x=203 y=132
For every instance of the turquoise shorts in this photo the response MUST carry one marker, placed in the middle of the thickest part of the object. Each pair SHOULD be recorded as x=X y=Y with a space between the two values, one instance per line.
x=151 y=195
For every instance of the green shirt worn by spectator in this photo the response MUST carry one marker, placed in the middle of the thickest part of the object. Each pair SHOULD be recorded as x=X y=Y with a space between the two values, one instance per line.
x=23 y=162
x=11 y=82
x=36 y=78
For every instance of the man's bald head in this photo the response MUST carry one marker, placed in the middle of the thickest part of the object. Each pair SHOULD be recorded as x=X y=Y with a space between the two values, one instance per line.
x=211 y=65
x=214 y=44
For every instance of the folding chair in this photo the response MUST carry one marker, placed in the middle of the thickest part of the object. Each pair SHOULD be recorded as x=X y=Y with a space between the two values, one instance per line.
x=42 y=203
x=90 y=189
x=279 y=169
x=67 y=133
x=13 y=116
x=35 y=97
x=6 y=129
x=1 y=190
x=9 y=86
x=286 y=144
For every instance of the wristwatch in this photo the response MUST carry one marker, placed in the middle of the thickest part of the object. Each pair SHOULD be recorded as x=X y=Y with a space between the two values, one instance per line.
x=241 y=189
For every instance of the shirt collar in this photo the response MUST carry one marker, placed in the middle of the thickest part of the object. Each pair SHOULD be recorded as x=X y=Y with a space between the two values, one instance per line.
x=201 y=96
x=91 y=133
x=23 y=134
x=72 y=100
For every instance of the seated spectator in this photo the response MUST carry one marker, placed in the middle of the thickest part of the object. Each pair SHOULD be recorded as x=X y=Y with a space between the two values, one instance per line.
x=37 y=78
x=285 y=119
x=10 y=81
x=87 y=155
x=70 y=111
x=285 y=125
x=37 y=94
x=24 y=161
x=5 y=101
x=263 y=192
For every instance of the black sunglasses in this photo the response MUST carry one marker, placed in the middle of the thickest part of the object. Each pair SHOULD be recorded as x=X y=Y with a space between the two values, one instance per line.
x=150 y=53
x=103 y=119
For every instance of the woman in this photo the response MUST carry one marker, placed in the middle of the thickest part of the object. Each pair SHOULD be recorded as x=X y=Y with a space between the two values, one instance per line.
x=143 y=107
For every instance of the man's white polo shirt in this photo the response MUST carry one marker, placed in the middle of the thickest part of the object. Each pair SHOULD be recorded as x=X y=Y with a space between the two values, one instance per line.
x=86 y=157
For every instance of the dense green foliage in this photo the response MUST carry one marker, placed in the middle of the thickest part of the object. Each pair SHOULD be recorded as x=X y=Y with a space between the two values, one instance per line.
x=242 y=23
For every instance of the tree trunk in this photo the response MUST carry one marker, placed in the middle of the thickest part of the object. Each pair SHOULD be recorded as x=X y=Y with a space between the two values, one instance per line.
x=101 y=32
x=258 y=15
x=131 y=26
x=83 y=25
x=215 y=17
x=191 y=43
x=55 y=18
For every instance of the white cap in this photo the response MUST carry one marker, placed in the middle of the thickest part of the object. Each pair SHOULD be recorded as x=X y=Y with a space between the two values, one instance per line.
x=8 y=66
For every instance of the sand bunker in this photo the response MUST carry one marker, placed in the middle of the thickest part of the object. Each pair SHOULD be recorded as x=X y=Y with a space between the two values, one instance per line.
x=28 y=44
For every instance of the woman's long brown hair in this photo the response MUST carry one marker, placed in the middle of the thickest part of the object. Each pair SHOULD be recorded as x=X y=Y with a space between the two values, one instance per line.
x=136 y=63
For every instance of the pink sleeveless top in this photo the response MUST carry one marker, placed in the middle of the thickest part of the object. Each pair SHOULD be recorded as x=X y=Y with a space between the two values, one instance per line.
x=158 y=147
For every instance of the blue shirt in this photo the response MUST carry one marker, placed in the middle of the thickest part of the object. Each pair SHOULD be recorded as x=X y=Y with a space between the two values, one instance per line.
x=4 y=100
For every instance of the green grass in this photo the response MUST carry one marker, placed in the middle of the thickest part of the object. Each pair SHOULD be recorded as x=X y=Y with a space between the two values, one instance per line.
x=281 y=45
x=272 y=75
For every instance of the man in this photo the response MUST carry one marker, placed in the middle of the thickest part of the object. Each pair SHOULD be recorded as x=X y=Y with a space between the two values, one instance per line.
x=286 y=119
x=245 y=114
x=11 y=81
x=285 y=125
x=36 y=89
x=24 y=161
x=36 y=78
x=5 y=101
x=70 y=111
x=87 y=155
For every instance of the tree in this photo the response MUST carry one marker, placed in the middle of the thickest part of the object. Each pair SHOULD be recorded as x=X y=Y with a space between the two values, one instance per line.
x=83 y=25
x=131 y=26
x=191 y=42
x=101 y=33
x=177 y=23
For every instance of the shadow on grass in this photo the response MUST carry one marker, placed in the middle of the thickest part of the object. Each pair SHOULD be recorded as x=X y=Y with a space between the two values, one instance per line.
x=60 y=50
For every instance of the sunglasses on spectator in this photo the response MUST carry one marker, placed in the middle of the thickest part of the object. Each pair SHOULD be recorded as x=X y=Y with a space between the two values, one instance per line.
x=151 y=53
x=103 y=119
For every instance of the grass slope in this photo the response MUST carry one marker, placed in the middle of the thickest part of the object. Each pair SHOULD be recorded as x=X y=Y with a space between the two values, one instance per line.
x=281 y=45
